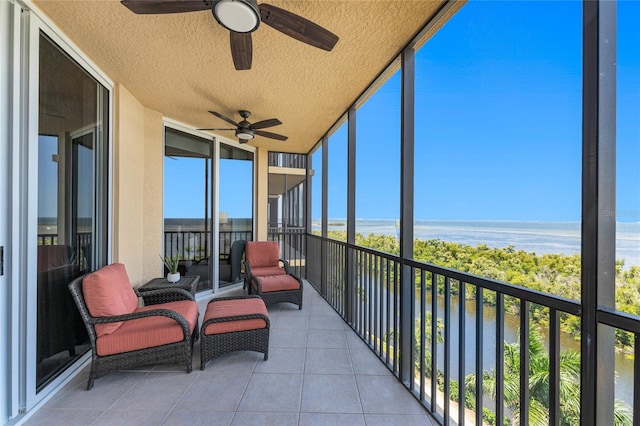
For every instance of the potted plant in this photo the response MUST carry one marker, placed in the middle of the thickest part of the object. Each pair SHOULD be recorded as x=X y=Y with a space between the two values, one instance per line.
x=172 y=266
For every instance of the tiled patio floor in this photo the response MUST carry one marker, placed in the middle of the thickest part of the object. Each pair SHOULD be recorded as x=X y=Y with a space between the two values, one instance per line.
x=318 y=373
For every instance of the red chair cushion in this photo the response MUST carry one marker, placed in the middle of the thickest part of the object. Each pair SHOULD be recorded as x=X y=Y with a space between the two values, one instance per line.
x=262 y=253
x=149 y=332
x=231 y=308
x=266 y=271
x=277 y=283
x=108 y=292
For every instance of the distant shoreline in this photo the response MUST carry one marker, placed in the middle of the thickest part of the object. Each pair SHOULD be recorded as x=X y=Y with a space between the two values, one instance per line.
x=537 y=237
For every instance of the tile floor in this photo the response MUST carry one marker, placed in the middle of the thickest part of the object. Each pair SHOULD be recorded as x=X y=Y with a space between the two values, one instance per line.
x=318 y=373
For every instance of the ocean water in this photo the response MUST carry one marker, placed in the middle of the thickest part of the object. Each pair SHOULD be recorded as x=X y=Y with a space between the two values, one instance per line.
x=530 y=236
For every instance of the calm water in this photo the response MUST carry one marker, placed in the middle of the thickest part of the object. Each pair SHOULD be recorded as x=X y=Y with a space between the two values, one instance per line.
x=623 y=367
x=534 y=237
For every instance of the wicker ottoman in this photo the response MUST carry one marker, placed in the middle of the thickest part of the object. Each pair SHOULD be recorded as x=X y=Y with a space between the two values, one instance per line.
x=277 y=289
x=234 y=324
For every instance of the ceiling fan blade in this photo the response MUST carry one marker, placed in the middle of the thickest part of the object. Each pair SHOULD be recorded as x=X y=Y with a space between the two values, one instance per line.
x=223 y=117
x=297 y=27
x=216 y=129
x=145 y=7
x=271 y=135
x=241 y=50
x=265 y=123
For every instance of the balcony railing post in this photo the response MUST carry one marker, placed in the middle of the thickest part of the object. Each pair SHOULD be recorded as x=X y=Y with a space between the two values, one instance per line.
x=462 y=350
x=554 y=367
x=406 y=324
x=434 y=342
x=479 y=353
x=447 y=350
x=350 y=273
x=524 y=362
x=636 y=380
x=499 y=358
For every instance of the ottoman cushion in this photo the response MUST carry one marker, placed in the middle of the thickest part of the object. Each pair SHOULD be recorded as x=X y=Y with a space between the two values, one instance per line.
x=278 y=283
x=233 y=308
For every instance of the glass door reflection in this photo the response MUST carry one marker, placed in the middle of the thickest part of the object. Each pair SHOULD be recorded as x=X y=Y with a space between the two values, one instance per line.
x=235 y=211
x=73 y=118
x=188 y=227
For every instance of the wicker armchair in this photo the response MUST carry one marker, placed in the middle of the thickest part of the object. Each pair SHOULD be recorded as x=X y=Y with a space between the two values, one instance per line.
x=262 y=258
x=265 y=276
x=108 y=305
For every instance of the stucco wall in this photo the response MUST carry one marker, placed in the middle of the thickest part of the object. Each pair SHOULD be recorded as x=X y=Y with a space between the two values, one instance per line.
x=262 y=196
x=138 y=159
x=153 y=192
x=137 y=187
x=128 y=183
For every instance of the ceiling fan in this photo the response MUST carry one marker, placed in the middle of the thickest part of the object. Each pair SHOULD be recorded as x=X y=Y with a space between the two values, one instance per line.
x=241 y=18
x=245 y=130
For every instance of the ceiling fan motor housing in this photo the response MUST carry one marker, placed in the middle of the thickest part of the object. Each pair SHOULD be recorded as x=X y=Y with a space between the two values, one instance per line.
x=241 y=16
x=246 y=131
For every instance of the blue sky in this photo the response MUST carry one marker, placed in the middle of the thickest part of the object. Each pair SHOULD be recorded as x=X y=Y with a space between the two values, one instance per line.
x=498 y=120
x=498 y=126
x=185 y=178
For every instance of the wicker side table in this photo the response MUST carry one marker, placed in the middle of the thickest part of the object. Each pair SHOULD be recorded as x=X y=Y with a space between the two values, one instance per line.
x=186 y=283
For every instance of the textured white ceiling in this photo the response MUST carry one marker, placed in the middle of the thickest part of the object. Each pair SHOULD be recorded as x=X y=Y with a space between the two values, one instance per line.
x=181 y=66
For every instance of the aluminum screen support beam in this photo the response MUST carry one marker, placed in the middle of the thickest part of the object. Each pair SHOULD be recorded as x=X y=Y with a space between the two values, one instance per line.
x=406 y=213
x=325 y=186
x=598 y=198
x=308 y=199
x=325 y=213
x=350 y=267
x=351 y=176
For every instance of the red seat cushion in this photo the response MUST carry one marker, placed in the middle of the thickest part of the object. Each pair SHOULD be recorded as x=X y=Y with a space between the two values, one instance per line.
x=265 y=271
x=108 y=292
x=231 y=308
x=151 y=331
x=277 y=283
x=262 y=253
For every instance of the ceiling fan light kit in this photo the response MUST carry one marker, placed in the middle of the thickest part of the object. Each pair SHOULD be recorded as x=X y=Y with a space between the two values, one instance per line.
x=246 y=131
x=241 y=16
x=244 y=134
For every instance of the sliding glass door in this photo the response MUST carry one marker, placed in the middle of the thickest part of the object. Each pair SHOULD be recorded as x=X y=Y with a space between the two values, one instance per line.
x=235 y=210
x=205 y=216
x=188 y=166
x=71 y=196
